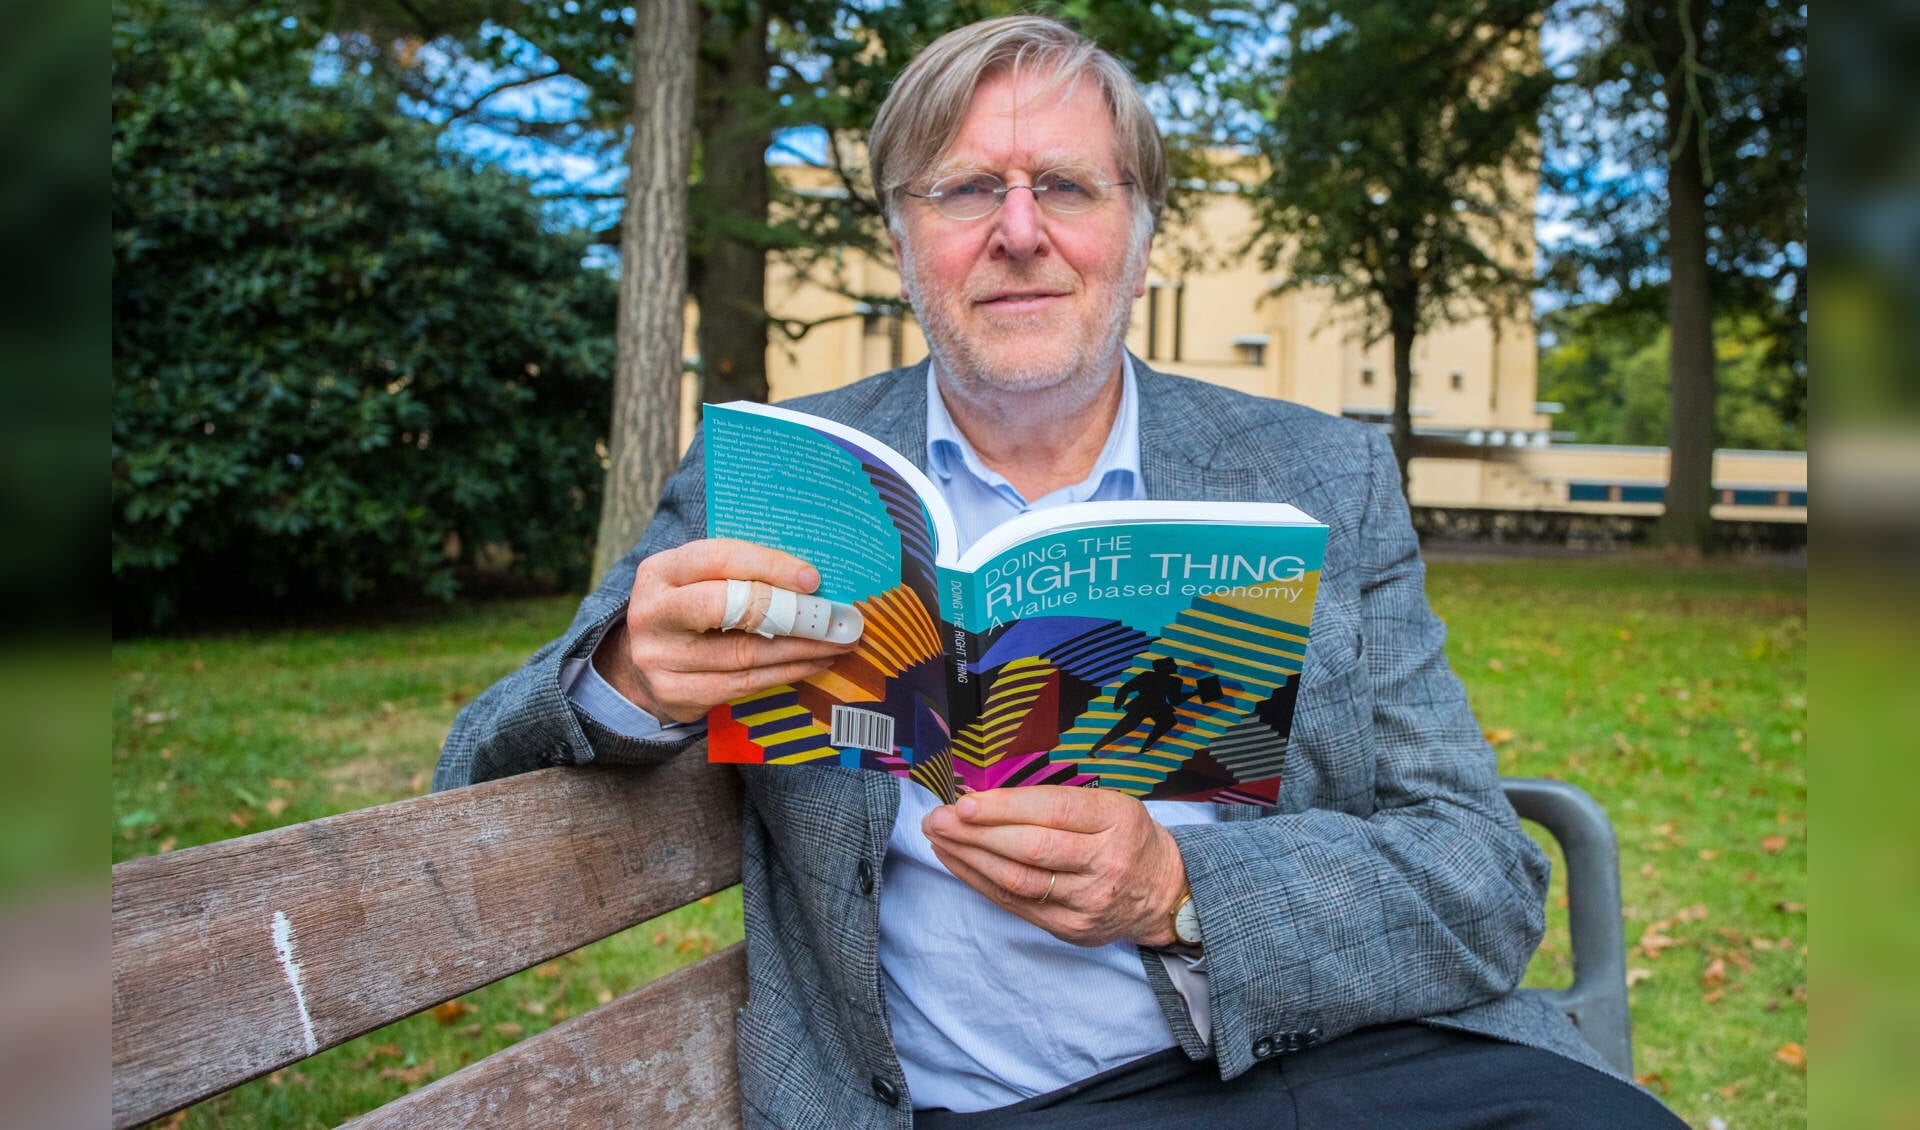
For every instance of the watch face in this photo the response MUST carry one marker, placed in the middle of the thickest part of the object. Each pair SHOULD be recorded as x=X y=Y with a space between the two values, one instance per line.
x=1186 y=924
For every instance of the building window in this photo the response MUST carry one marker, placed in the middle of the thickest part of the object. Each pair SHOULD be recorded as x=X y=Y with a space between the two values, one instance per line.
x=1251 y=353
x=1458 y=380
x=1366 y=375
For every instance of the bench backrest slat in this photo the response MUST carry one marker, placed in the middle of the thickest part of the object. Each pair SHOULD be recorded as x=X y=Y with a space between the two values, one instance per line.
x=662 y=1055
x=237 y=958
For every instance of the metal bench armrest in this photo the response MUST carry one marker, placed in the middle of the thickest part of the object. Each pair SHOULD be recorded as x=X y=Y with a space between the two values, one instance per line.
x=1597 y=999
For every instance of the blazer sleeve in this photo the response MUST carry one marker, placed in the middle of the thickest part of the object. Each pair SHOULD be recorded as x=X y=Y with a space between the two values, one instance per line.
x=1406 y=888
x=525 y=721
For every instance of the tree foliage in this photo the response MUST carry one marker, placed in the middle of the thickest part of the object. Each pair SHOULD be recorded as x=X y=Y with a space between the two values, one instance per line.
x=1397 y=133
x=343 y=363
x=1611 y=374
x=1682 y=141
x=820 y=68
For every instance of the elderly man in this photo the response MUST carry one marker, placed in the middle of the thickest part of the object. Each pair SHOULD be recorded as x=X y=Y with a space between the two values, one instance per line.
x=1053 y=956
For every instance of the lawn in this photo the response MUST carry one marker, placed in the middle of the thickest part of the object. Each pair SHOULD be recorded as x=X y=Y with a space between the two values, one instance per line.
x=1675 y=693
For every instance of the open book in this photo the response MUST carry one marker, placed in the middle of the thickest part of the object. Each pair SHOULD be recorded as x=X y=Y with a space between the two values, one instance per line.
x=1148 y=646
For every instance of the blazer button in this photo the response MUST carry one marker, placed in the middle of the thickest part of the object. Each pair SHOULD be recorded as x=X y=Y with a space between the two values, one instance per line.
x=886 y=1092
x=1263 y=1047
x=865 y=874
x=1313 y=1035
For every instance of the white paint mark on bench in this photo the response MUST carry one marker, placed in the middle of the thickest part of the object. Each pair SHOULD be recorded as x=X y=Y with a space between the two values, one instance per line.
x=283 y=948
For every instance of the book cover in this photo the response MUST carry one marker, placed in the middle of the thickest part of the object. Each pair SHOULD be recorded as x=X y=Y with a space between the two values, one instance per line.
x=1149 y=646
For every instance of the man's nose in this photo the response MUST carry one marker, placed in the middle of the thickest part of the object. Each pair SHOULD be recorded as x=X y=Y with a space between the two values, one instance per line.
x=1018 y=231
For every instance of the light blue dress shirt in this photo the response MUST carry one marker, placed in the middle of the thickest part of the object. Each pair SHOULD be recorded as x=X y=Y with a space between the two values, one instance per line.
x=985 y=1008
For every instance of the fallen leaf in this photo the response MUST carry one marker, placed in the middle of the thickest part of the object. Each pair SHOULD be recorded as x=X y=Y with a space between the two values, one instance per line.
x=280 y=783
x=533 y=1008
x=1731 y=1090
x=276 y=805
x=1709 y=853
x=604 y=996
x=547 y=971
x=1498 y=737
x=1713 y=996
x=468 y=1031
x=166 y=754
x=1646 y=870
x=451 y=1011
x=165 y=846
x=411 y=1076
x=1793 y=1055
x=1762 y=943
x=1715 y=973
x=1693 y=913
x=1773 y=844
x=1653 y=942
x=1637 y=975
x=240 y=818
x=1624 y=635
x=509 y=1028
x=1653 y=1081
x=1790 y=907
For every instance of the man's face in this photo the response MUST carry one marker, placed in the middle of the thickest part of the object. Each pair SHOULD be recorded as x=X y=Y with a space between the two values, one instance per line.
x=1021 y=299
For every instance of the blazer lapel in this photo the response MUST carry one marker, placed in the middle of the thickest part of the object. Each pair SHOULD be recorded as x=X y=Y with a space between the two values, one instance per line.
x=1178 y=442
x=899 y=420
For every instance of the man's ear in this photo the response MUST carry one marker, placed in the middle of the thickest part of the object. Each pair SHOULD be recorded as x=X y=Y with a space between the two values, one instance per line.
x=1140 y=287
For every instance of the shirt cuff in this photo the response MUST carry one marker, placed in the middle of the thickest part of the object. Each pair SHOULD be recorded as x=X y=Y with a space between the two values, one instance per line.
x=587 y=690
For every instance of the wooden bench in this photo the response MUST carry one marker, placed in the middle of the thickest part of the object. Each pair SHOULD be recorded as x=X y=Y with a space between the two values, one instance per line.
x=238 y=958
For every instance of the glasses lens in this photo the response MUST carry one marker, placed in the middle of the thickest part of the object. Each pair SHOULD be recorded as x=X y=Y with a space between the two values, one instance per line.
x=968 y=196
x=1069 y=191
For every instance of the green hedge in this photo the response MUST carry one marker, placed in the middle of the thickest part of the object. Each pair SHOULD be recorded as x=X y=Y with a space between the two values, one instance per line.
x=344 y=363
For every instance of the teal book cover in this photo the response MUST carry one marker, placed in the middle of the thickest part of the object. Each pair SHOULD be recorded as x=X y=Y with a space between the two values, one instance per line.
x=1153 y=647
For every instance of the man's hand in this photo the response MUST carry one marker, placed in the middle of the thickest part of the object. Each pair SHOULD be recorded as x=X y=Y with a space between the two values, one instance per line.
x=670 y=659
x=1089 y=866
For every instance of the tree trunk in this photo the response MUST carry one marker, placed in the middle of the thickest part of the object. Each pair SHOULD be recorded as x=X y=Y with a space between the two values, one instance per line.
x=1403 y=332
x=645 y=443
x=730 y=286
x=1688 y=519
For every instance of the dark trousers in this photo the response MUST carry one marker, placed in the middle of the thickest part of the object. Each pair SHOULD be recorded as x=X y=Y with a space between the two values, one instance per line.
x=1394 y=1076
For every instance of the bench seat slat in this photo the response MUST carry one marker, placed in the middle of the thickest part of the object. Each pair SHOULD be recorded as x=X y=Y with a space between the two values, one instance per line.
x=237 y=958
x=662 y=1055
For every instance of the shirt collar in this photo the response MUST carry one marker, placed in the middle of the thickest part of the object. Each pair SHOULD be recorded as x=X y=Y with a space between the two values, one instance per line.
x=949 y=453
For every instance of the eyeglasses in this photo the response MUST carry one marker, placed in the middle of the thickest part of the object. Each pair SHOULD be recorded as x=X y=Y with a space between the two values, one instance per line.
x=1070 y=190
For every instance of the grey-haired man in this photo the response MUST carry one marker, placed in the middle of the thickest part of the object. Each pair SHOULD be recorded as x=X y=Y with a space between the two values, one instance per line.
x=1074 y=957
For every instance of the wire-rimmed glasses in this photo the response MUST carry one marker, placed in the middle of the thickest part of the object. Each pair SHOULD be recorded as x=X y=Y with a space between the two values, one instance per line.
x=1069 y=190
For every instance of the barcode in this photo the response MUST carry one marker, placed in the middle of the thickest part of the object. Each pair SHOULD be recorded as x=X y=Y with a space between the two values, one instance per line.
x=854 y=728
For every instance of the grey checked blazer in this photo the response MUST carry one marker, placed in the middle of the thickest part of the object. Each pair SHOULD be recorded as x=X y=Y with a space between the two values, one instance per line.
x=1391 y=882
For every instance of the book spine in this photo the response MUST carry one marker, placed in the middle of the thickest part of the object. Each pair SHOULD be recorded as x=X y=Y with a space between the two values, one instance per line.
x=963 y=686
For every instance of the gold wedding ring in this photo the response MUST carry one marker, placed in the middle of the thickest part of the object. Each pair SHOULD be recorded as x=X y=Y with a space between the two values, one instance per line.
x=1052 y=878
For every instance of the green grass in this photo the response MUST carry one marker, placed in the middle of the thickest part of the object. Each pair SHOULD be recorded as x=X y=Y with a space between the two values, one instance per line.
x=1674 y=693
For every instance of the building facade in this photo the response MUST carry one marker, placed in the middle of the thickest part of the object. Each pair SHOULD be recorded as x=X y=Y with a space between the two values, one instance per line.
x=1213 y=313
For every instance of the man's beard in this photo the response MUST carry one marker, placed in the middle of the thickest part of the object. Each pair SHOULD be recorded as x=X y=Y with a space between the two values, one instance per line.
x=969 y=364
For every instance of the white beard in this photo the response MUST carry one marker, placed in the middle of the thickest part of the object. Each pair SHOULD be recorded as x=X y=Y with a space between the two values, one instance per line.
x=968 y=370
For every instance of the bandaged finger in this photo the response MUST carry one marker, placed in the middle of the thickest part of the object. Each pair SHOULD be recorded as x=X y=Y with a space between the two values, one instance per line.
x=770 y=611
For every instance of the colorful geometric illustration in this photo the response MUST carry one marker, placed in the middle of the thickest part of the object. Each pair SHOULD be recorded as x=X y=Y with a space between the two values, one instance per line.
x=1010 y=743
x=1207 y=677
x=791 y=725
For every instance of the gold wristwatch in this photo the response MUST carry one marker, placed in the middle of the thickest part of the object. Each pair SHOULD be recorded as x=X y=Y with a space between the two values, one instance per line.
x=1186 y=921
